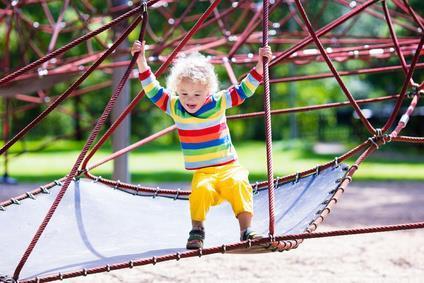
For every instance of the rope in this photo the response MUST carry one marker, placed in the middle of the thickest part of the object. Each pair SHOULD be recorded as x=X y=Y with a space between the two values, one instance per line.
x=228 y=248
x=405 y=86
x=66 y=47
x=68 y=92
x=268 y=129
x=159 y=72
x=90 y=140
x=355 y=106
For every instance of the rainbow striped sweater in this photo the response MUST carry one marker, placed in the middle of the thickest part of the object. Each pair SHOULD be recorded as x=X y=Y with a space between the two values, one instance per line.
x=204 y=136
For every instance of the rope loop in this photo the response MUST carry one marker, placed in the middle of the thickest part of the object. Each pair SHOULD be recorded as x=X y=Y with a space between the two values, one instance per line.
x=371 y=139
x=356 y=166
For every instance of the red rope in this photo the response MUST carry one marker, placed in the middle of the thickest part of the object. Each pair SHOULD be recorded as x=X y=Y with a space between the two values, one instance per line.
x=268 y=129
x=66 y=47
x=159 y=72
x=227 y=248
x=322 y=31
x=333 y=69
x=81 y=156
x=394 y=37
x=405 y=86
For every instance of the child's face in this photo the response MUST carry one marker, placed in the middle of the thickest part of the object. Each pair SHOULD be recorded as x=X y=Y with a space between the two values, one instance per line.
x=192 y=94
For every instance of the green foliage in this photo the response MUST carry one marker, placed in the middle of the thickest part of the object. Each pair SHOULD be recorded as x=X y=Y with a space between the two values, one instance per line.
x=147 y=119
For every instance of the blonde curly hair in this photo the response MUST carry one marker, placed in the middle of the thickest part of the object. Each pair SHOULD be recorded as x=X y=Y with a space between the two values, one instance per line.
x=195 y=67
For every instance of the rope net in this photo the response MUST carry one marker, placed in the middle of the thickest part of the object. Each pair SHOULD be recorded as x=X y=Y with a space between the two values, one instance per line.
x=230 y=31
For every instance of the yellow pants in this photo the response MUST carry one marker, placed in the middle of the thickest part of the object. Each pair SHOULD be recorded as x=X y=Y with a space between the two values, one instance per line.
x=212 y=185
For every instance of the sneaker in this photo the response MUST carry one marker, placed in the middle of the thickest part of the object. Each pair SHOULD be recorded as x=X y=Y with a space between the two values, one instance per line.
x=249 y=234
x=195 y=239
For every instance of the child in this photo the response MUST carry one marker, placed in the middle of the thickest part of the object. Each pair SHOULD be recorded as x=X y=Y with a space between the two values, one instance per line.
x=198 y=110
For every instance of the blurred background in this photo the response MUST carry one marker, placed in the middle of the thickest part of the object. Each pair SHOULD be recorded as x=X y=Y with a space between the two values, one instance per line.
x=231 y=38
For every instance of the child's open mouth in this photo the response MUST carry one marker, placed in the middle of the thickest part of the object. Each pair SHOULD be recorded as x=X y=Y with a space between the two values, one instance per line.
x=191 y=106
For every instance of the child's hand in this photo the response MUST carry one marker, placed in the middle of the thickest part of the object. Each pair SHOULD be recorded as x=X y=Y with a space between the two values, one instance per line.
x=263 y=52
x=141 y=60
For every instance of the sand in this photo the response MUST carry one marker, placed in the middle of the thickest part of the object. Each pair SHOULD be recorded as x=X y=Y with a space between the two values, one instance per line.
x=381 y=257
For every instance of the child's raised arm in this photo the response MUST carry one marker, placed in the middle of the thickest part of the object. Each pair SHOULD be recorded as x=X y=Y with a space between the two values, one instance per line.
x=154 y=91
x=237 y=94
x=138 y=47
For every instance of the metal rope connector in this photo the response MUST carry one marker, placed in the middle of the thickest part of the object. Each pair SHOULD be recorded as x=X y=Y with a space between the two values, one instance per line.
x=255 y=190
x=156 y=192
x=374 y=142
x=276 y=182
x=177 y=194
x=317 y=170
x=30 y=195
x=118 y=182
x=336 y=162
x=143 y=6
x=44 y=190
x=15 y=201
x=296 y=178
x=223 y=249
x=414 y=90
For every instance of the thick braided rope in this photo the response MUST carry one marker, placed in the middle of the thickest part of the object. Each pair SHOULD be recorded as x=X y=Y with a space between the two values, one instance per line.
x=324 y=54
x=394 y=37
x=159 y=72
x=226 y=248
x=268 y=130
x=406 y=83
x=63 y=96
x=66 y=47
x=286 y=54
x=81 y=156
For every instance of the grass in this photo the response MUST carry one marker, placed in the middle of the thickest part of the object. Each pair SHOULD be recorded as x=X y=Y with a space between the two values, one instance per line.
x=155 y=163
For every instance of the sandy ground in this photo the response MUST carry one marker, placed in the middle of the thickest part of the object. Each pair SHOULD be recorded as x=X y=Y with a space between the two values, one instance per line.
x=381 y=257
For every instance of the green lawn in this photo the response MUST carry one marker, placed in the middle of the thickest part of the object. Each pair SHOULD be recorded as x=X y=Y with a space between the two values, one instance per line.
x=155 y=163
